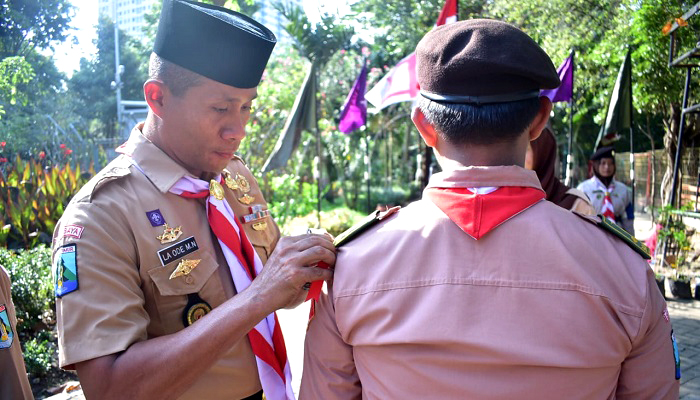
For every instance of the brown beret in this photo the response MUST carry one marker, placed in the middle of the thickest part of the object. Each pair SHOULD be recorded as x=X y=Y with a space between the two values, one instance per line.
x=482 y=61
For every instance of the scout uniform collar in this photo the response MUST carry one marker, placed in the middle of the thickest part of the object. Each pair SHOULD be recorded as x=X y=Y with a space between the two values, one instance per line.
x=479 y=199
x=473 y=176
x=158 y=167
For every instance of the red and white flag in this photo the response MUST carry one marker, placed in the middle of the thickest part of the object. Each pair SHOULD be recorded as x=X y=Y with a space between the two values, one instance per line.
x=401 y=82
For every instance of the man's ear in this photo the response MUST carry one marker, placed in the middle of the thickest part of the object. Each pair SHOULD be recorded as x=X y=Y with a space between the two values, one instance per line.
x=155 y=92
x=540 y=121
x=426 y=129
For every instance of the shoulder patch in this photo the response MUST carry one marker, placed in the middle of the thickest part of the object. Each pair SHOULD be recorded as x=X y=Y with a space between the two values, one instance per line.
x=612 y=227
x=6 y=334
x=65 y=269
x=366 y=223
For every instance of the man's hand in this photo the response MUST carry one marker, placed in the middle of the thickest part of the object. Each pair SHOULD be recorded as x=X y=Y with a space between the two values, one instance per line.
x=290 y=266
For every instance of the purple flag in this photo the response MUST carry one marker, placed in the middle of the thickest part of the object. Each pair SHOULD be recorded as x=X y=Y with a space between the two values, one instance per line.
x=565 y=91
x=354 y=113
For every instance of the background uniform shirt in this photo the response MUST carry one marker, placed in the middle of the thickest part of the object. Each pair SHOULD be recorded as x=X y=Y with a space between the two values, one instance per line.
x=124 y=291
x=621 y=197
x=13 y=375
x=544 y=306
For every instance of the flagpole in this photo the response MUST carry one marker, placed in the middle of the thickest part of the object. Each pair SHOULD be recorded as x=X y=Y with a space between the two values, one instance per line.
x=569 y=155
x=632 y=177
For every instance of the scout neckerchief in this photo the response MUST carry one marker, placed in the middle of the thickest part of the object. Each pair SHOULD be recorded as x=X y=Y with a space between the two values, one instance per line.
x=244 y=263
x=607 y=209
x=479 y=210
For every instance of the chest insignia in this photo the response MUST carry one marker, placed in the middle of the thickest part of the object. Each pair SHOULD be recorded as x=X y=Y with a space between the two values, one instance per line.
x=257 y=213
x=196 y=308
x=6 y=334
x=184 y=268
x=170 y=234
x=216 y=190
x=178 y=250
x=246 y=199
x=65 y=269
x=230 y=182
x=243 y=183
x=155 y=217
x=260 y=226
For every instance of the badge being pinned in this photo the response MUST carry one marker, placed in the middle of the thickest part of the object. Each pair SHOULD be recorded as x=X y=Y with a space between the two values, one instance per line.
x=6 y=334
x=65 y=269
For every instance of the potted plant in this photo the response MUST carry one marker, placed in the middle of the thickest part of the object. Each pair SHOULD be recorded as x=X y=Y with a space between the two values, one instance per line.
x=661 y=283
x=675 y=234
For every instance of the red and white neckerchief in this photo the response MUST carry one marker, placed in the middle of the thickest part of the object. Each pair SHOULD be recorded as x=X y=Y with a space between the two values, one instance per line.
x=245 y=264
x=608 y=211
x=477 y=211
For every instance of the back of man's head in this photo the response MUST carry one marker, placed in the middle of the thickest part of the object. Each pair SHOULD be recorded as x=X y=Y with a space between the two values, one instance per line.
x=480 y=80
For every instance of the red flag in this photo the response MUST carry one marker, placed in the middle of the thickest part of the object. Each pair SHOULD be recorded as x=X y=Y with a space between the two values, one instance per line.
x=401 y=83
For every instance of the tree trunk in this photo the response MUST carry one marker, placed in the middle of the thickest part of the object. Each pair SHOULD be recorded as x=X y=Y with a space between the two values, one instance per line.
x=670 y=143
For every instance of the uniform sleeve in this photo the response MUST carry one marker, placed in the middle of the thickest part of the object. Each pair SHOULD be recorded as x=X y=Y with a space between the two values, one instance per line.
x=13 y=375
x=649 y=371
x=329 y=366
x=102 y=311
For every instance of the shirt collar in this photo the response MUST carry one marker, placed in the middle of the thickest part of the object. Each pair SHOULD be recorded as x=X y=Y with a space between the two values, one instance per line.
x=158 y=167
x=499 y=176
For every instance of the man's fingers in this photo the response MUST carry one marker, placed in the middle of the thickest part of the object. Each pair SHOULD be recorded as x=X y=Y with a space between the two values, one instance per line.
x=312 y=240
x=314 y=255
x=311 y=274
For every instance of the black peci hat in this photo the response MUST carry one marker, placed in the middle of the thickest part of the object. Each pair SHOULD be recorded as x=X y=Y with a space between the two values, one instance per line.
x=215 y=42
x=603 y=152
x=482 y=61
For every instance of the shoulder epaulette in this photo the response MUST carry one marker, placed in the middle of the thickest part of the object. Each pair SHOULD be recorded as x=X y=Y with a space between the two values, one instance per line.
x=237 y=157
x=366 y=223
x=613 y=228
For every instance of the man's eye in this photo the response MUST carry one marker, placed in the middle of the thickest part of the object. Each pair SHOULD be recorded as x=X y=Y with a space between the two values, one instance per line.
x=247 y=108
x=220 y=110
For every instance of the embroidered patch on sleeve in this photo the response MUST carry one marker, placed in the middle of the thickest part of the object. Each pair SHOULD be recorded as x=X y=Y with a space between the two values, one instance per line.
x=6 y=333
x=65 y=269
x=75 y=231
x=676 y=356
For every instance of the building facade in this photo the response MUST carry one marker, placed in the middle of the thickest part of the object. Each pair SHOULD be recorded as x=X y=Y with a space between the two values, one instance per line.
x=130 y=14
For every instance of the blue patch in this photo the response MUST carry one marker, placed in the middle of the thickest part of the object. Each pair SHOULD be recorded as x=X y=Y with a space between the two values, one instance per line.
x=6 y=333
x=155 y=218
x=629 y=210
x=65 y=269
x=676 y=356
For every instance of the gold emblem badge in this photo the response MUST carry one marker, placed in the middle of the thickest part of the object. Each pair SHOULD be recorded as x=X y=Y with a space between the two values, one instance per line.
x=184 y=268
x=243 y=184
x=216 y=190
x=246 y=199
x=196 y=311
x=260 y=226
x=170 y=234
x=230 y=182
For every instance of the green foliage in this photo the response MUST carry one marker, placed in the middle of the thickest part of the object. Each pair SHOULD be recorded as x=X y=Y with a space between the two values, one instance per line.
x=33 y=197
x=14 y=71
x=27 y=25
x=334 y=221
x=676 y=234
x=290 y=197
x=32 y=290
x=39 y=355
x=97 y=104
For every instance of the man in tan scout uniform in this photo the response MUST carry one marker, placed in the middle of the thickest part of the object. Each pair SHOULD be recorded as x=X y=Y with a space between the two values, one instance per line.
x=13 y=375
x=483 y=290
x=158 y=259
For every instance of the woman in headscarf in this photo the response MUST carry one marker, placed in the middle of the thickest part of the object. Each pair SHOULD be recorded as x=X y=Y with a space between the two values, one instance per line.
x=610 y=197
x=542 y=158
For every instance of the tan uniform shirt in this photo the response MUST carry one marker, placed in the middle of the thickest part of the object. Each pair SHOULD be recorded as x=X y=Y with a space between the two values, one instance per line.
x=420 y=310
x=13 y=375
x=124 y=292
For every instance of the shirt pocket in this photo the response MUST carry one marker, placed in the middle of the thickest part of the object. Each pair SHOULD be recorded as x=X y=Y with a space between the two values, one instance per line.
x=172 y=295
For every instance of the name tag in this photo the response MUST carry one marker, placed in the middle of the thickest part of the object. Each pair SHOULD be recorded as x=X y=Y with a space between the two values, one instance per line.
x=177 y=250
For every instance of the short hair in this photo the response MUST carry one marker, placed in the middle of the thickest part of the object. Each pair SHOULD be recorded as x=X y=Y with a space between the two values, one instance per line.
x=462 y=124
x=175 y=77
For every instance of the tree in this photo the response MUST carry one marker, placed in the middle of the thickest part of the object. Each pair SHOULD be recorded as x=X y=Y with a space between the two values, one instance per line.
x=27 y=25
x=91 y=84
